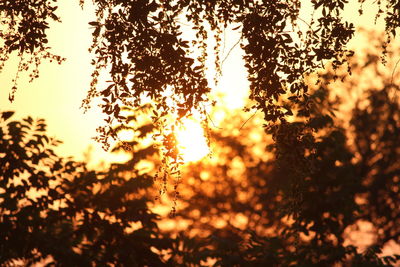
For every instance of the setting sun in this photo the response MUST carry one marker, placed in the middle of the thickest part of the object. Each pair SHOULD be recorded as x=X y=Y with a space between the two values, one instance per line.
x=192 y=143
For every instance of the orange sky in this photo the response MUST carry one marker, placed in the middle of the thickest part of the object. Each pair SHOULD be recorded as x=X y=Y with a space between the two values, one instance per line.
x=57 y=94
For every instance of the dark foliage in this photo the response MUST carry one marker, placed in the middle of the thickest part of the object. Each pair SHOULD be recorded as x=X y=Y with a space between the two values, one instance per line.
x=23 y=30
x=377 y=139
x=141 y=45
x=319 y=177
x=291 y=204
x=56 y=211
x=295 y=204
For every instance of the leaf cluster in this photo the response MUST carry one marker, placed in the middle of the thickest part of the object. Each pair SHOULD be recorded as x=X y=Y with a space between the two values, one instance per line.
x=24 y=31
x=55 y=211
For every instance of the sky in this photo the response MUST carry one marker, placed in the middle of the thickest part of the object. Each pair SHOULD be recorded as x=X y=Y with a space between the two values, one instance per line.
x=57 y=94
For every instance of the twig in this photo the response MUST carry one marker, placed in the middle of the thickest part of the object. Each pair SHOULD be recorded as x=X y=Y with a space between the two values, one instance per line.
x=248 y=120
x=223 y=44
x=305 y=22
x=394 y=69
x=391 y=80
x=230 y=50
x=213 y=122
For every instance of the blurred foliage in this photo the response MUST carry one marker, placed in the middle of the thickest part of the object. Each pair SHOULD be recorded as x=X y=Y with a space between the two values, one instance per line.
x=288 y=197
x=56 y=211
x=295 y=202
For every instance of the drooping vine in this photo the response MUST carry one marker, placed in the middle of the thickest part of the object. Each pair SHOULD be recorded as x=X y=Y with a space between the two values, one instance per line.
x=145 y=54
x=23 y=33
x=145 y=50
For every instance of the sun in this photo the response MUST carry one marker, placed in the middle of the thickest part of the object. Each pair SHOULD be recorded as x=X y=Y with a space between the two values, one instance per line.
x=192 y=143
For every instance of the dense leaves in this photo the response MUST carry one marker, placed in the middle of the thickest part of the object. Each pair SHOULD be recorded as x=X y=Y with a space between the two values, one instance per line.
x=24 y=25
x=286 y=197
x=289 y=199
x=157 y=50
x=297 y=204
x=55 y=211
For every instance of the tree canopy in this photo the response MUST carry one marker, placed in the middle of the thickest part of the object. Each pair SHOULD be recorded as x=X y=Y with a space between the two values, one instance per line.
x=291 y=198
x=142 y=47
x=239 y=210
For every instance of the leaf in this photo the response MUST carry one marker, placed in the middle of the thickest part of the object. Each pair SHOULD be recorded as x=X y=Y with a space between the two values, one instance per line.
x=236 y=28
x=6 y=115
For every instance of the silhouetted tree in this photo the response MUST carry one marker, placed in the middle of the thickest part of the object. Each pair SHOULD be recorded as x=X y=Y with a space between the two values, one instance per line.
x=295 y=204
x=141 y=45
x=58 y=212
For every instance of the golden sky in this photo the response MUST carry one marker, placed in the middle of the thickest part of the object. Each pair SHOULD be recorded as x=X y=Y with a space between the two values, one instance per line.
x=57 y=94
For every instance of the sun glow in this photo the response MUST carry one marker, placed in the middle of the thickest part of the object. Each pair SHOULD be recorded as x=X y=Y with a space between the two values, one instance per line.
x=192 y=143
